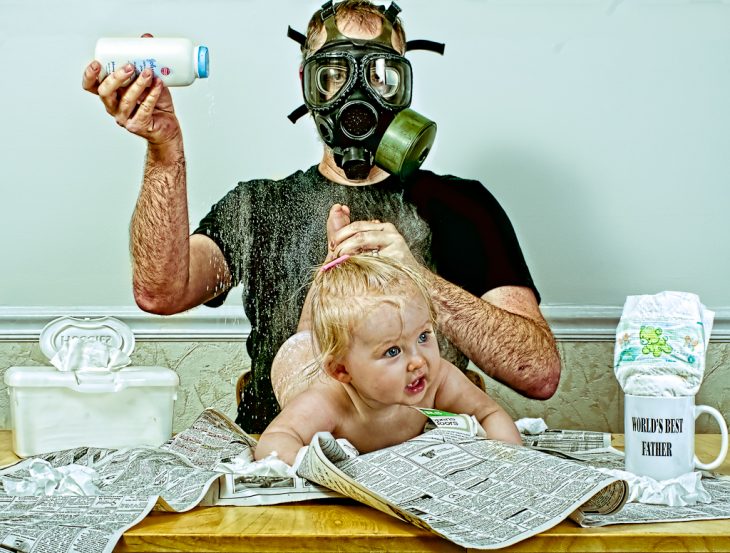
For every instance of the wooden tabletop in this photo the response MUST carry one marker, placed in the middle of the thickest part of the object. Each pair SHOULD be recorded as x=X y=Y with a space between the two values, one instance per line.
x=344 y=525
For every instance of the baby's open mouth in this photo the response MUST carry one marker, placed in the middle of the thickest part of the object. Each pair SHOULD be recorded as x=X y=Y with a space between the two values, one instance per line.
x=417 y=385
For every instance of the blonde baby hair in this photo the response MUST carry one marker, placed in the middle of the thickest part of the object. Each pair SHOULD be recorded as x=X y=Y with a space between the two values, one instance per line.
x=344 y=291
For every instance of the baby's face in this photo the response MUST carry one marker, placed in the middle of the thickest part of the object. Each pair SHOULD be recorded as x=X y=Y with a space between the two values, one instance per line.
x=394 y=357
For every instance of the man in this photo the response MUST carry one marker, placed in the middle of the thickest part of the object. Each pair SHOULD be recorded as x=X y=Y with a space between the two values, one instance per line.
x=268 y=234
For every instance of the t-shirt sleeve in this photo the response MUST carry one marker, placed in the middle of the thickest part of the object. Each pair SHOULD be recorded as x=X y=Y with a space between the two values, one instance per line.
x=474 y=244
x=228 y=224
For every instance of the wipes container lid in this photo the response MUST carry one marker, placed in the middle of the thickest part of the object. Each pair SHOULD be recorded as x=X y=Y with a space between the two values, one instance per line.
x=107 y=330
x=91 y=381
x=103 y=370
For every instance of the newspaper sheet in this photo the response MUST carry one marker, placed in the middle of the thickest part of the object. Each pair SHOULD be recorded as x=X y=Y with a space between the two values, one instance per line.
x=717 y=485
x=214 y=439
x=68 y=524
x=132 y=482
x=637 y=513
x=177 y=476
x=594 y=448
x=568 y=441
x=474 y=492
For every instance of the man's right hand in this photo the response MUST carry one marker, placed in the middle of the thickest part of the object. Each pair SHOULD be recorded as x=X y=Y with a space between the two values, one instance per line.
x=338 y=217
x=142 y=105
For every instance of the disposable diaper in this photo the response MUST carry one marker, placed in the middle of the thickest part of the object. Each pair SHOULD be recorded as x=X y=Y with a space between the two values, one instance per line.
x=661 y=342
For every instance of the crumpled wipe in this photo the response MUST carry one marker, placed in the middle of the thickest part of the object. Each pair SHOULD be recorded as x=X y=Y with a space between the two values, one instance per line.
x=244 y=465
x=46 y=480
x=76 y=355
x=531 y=426
x=675 y=492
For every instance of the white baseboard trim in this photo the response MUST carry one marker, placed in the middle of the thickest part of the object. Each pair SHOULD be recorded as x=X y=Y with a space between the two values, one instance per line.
x=585 y=323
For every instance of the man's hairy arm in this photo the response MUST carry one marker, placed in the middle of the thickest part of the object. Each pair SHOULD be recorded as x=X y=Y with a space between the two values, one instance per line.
x=503 y=333
x=172 y=271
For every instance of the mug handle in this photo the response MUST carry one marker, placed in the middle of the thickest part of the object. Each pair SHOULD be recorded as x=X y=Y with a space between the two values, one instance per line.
x=699 y=409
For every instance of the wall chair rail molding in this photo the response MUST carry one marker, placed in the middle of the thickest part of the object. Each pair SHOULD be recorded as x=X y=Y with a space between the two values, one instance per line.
x=226 y=323
x=580 y=323
x=597 y=323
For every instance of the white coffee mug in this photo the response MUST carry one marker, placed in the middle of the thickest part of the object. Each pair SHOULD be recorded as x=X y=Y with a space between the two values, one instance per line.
x=659 y=436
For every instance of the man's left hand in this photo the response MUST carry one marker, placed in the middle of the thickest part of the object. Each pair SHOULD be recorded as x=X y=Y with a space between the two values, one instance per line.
x=371 y=237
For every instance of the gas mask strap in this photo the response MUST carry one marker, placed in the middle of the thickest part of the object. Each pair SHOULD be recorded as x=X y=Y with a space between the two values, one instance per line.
x=392 y=12
x=296 y=36
x=328 y=10
x=430 y=45
x=333 y=34
x=297 y=114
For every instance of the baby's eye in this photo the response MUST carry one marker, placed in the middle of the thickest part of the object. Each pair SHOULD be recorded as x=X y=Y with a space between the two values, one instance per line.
x=423 y=337
x=392 y=352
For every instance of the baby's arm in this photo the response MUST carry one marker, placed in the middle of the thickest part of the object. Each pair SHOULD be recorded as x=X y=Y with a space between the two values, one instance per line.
x=457 y=394
x=308 y=413
x=283 y=442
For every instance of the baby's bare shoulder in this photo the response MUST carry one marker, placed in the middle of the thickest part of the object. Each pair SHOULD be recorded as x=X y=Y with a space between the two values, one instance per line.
x=455 y=389
x=322 y=399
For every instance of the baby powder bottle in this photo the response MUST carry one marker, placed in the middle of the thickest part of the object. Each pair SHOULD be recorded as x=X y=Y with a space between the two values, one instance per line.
x=177 y=61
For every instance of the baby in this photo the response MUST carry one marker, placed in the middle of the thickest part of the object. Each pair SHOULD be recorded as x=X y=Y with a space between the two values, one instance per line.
x=373 y=328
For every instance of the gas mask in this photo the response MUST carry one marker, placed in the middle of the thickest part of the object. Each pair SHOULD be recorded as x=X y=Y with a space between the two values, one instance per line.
x=359 y=93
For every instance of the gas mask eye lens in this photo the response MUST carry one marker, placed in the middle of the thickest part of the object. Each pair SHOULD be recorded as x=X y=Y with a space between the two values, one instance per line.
x=330 y=79
x=325 y=78
x=388 y=77
x=383 y=79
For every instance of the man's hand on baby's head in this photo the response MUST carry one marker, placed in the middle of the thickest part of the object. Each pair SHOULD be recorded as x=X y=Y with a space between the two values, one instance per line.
x=338 y=218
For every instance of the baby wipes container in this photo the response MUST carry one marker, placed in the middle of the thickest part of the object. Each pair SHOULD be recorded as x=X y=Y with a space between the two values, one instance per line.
x=89 y=400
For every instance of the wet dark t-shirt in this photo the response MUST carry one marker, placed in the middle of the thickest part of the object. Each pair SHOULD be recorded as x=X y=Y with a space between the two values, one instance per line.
x=273 y=233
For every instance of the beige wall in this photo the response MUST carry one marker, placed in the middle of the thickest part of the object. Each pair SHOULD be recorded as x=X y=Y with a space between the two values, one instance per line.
x=588 y=397
x=207 y=371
